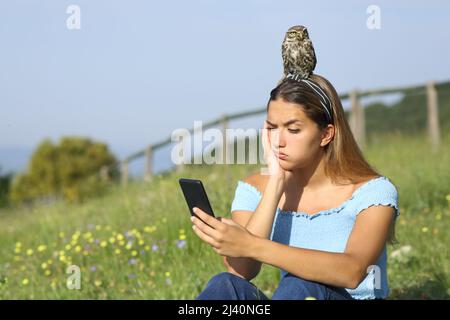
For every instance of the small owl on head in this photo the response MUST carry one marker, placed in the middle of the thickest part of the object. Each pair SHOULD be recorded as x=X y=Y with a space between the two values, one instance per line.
x=298 y=53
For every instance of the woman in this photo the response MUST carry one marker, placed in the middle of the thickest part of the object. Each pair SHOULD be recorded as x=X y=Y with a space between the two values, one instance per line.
x=321 y=214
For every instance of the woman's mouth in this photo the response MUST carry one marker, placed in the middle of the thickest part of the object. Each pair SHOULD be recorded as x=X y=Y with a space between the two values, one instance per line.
x=281 y=155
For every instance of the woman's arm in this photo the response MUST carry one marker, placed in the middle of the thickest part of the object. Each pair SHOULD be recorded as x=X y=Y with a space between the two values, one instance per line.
x=243 y=267
x=346 y=269
x=258 y=223
x=261 y=221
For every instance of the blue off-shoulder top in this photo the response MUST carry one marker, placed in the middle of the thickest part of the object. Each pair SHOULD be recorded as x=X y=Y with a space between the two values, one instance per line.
x=329 y=230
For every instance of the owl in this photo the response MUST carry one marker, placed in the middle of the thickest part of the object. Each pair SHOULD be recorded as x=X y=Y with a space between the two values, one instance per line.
x=298 y=53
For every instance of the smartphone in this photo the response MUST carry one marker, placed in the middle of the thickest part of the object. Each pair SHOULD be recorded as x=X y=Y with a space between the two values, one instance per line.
x=196 y=196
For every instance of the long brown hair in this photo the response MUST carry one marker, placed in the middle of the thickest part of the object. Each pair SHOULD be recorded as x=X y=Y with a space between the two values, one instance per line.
x=344 y=160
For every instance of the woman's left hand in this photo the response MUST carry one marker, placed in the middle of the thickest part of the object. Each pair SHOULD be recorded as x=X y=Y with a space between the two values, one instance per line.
x=225 y=236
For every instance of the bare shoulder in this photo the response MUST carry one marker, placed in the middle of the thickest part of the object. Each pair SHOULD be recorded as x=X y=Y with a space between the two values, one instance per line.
x=257 y=180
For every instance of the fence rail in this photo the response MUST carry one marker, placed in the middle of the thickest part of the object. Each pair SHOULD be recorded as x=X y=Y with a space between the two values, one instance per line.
x=356 y=121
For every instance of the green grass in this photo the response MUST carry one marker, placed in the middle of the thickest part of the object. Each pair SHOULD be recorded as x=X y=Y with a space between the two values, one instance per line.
x=155 y=213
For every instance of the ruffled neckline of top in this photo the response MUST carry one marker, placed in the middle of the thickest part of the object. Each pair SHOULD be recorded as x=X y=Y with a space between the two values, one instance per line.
x=320 y=213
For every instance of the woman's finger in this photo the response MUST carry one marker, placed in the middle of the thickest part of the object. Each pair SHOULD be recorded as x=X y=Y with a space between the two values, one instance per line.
x=209 y=220
x=206 y=229
x=204 y=237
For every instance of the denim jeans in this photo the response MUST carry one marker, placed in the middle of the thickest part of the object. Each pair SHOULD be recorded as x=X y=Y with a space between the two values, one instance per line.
x=227 y=286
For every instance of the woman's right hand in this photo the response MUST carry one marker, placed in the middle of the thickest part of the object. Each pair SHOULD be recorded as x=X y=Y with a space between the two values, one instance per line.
x=272 y=161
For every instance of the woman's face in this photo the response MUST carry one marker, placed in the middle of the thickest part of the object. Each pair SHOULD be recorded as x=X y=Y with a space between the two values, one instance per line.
x=292 y=133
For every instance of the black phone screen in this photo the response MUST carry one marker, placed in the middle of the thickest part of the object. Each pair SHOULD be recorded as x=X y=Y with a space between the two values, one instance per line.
x=195 y=195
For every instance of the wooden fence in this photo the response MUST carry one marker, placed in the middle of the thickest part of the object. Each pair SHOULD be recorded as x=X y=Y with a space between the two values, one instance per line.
x=356 y=121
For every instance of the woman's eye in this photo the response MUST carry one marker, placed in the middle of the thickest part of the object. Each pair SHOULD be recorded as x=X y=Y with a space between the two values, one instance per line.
x=270 y=128
x=294 y=130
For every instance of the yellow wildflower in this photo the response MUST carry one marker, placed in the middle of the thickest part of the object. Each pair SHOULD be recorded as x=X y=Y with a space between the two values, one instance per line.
x=128 y=246
x=112 y=240
x=182 y=236
x=120 y=237
x=25 y=281
x=424 y=229
x=78 y=249
x=42 y=248
x=87 y=235
x=17 y=250
x=103 y=244
x=44 y=265
x=134 y=253
x=141 y=242
x=30 y=252
x=76 y=235
x=117 y=251
x=47 y=272
x=167 y=274
x=68 y=247
x=97 y=283
x=62 y=234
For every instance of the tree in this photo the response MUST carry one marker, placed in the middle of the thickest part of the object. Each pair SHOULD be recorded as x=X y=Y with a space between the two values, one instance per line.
x=68 y=170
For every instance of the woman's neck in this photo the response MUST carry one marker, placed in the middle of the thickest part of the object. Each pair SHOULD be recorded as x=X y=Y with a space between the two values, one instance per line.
x=311 y=177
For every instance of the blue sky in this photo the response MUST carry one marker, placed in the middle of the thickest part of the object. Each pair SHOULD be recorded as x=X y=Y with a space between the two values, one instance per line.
x=136 y=70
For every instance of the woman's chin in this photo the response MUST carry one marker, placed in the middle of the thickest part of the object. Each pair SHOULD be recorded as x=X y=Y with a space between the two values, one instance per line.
x=285 y=165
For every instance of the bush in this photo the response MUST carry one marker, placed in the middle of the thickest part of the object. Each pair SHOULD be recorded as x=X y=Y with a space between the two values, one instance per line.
x=69 y=170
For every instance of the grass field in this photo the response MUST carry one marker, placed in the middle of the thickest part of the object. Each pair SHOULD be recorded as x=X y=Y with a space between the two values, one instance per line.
x=138 y=244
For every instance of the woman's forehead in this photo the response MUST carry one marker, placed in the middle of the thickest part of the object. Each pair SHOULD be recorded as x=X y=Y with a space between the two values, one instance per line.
x=280 y=112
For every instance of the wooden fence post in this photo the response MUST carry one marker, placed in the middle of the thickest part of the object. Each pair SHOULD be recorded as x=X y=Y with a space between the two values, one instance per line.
x=433 y=115
x=224 y=127
x=357 y=119
x=148 y=163
x=124 y=172
x=104 y=175
x=180 y=167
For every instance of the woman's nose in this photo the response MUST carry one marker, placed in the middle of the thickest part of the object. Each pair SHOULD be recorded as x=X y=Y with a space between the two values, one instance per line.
x=278 y=139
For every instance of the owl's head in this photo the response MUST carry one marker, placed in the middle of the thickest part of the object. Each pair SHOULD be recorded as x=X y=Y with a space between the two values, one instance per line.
x=297 y=33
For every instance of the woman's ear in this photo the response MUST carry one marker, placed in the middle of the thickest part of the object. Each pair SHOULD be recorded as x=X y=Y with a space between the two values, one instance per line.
x=327 y=135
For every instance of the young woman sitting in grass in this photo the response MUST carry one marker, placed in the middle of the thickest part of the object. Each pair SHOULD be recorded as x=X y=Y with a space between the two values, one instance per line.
x=321 y=213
